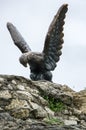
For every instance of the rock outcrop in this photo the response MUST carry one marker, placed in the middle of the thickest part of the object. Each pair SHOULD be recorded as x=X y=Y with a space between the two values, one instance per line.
x=40 y=105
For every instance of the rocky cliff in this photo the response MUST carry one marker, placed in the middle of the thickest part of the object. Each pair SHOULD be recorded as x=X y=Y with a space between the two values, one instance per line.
x=40 y=105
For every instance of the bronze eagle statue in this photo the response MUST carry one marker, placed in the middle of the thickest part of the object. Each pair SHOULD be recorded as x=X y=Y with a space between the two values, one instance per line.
x=41 y=64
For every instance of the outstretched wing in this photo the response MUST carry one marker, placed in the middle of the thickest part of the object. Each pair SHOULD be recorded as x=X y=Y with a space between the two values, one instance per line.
x=17 y=38
x=54 y=39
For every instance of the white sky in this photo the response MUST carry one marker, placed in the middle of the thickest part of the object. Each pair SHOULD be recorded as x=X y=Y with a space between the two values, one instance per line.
x=32 y=18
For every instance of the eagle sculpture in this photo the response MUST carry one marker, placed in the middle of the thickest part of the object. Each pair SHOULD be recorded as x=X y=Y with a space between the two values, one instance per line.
x=41 y=64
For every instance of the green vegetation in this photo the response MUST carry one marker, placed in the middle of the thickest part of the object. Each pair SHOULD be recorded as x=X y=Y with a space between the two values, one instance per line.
x=53 y=121
x=54 y=105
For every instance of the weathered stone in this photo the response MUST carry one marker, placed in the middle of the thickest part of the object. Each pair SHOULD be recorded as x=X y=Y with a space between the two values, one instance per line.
x=49 y=112
x=76 y=112
x=25 y=95
x=39 y=113
x=1 y=79
x=16 y=104
x=5 y=94
x=10 y=87
x=83 y=122
x=80 y=100
x=20 y=87
x=25 y=104
x=66 y=112
x=21 y=113
x=70 y=122
x=14 y=82
x=1 y=109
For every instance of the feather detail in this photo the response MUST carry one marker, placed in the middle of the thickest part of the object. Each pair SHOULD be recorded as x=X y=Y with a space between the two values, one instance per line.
x=54 y=39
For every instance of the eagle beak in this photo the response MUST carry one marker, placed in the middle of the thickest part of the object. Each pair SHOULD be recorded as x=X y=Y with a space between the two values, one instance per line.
x=25 y=65
x=23 y=61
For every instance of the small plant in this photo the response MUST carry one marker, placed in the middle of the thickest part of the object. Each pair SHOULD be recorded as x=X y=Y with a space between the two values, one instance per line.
x=55 y=105
x=53 y=121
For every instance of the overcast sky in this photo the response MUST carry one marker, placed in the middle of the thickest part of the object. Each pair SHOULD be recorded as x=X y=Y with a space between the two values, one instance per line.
x=32 y=18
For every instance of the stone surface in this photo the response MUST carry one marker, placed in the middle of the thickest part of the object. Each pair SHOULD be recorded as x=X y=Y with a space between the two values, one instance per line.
x=80 y=100
x=70 y=122
x=40 y=105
